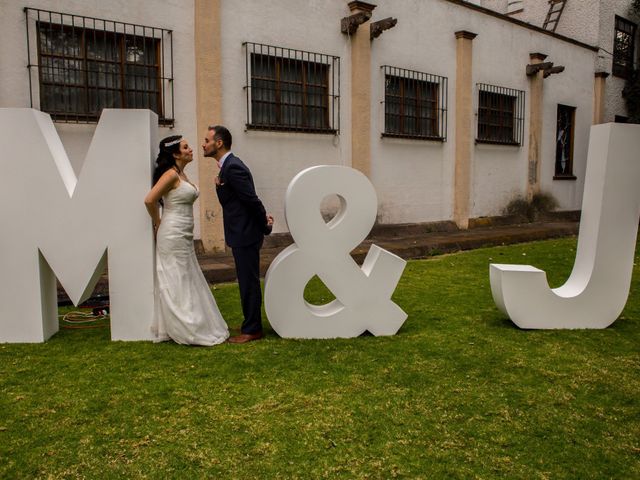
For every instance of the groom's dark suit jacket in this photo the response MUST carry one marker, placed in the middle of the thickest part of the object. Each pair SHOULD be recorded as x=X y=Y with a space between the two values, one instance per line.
x=244 y=216
x=245 y=224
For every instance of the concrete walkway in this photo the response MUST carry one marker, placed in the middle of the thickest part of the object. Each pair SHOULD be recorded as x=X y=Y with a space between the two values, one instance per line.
x=409 y=242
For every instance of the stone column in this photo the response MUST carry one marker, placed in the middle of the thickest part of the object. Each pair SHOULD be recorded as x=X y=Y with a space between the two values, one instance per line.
x=598 y=97
x=207 y=24
x=361 y=92
x=535 y=126
x=463 y=128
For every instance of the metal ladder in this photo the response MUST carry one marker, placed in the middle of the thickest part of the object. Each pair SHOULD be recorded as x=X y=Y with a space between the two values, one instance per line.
x=553 y=15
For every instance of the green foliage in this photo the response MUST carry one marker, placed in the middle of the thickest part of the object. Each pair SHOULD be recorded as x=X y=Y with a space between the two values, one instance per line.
x=631 y=91
x=540 y=203
x=519 y=207
x=631 y=94
x=544 y=202
x=458 y=393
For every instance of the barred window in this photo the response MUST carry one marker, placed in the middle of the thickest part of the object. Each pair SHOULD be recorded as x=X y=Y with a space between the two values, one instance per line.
x=292 y=90
x=87 y=64
x=623 y=47
x=500 y=115
x=564 y=141
x=415 y=104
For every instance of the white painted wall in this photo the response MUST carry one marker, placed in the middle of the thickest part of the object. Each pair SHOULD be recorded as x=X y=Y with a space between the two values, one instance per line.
x=614 y=103
x=573 y=87
x=501 y=172
x=175 y=15
x=579 y=19
x=414 y=178
x=500 y=6
x=276 y=157
x=588 y=21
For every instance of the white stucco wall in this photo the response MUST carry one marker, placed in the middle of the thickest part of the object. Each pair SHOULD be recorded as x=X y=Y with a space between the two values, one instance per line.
x=591 y=22
x=500 y=6
x=414 y=178
x=276 y=157
x=501 y=172
x=614 y=103
x=174 y=15
x=579 y=19
x=573 y=87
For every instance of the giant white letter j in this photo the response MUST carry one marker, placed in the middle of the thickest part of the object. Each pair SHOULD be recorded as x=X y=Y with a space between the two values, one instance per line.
x=598 y=287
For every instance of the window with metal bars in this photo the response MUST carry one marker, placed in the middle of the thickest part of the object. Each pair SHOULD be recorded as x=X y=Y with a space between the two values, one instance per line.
x=500 y=115
x=415 y=104
x=292 y=90
x=86 y=64
x=564 y=141
x=623 y=47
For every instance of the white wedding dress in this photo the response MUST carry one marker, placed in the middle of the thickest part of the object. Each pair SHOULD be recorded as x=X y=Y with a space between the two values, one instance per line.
x=185 y=310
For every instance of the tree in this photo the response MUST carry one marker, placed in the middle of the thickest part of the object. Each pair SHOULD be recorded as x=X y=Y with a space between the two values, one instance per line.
x=631 y=94
x=631 y=91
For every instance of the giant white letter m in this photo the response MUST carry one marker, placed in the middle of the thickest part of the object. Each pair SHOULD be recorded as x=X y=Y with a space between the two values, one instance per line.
x=52 y=221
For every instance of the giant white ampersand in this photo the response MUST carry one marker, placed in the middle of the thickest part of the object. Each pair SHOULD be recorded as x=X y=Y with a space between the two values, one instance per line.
x=363 y=294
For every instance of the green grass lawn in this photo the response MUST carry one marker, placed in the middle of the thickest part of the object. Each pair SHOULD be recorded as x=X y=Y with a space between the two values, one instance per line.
x=460 y=392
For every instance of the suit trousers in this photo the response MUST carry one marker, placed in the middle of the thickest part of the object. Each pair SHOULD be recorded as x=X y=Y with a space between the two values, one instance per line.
x=247 y=260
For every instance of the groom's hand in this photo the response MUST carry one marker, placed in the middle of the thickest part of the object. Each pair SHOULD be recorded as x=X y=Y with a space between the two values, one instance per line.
x=269 y=225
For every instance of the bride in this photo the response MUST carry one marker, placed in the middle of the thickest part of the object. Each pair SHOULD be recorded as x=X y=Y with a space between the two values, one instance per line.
x=185 y=310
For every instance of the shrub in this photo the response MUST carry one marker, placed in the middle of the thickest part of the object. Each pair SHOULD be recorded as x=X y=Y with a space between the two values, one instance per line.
x=519 y=207
x=530 y=210
x=544 y=202
x=631 y=95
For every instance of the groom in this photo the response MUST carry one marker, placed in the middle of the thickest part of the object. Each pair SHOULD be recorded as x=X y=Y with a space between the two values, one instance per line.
x=245 y=224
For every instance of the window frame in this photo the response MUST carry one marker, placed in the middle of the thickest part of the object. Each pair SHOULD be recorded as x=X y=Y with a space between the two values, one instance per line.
x=297 y=64
x=489 y=132
x=83 y=98
x=435 y=108
x=623 y=54
x=568 y=173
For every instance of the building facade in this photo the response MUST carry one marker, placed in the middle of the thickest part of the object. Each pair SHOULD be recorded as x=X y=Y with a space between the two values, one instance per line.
x=611 y=25
x=450 y=108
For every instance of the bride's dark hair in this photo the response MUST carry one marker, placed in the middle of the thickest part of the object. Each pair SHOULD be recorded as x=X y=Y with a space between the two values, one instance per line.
x=166 y=160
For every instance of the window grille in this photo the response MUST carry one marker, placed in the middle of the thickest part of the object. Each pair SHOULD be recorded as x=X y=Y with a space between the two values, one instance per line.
x=623 y=47
x=564 y=141
x=500 y=115
x=85 y=64
x=292 y=90
x=415 y=104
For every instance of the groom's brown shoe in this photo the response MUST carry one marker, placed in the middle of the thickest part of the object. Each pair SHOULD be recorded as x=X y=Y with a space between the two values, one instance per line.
x=246 y=337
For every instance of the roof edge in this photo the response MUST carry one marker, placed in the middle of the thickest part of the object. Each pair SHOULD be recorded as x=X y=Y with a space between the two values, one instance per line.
x=520 y=23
